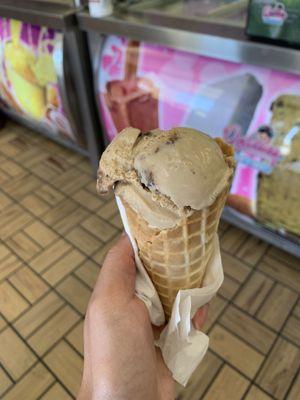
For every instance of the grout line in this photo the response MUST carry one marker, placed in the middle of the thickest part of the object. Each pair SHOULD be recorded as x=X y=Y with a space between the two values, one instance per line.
x=218 y=371
x=47 y=389
x=292 y=383
x=18 y=291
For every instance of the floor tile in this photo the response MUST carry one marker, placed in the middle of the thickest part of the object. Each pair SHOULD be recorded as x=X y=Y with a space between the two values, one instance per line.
x=50 y=255
x=108 y=210
x=235 y=268
x=99 y=228
x=291 y=330
x=83 y=240
x=257 y=394
x=3 y=323
x=235 y=351
x=35 y=204
x=254 y=292
x=87 y=199
x=201 y=378
x=53 y=330
x=56 y=392
x=61 y=268
x=29 y=284
x=229 y=384
x=67 y=365
x=277 y=306
x=8 y=266
x=88 y=272
x=279 y=369
x=50 y=195
x=216 y=307
x=75 y=337
x=32 y=385
x=229 y=287
x=40 y=233
x=75 y=292
x=251 y=331
x=5 y=382
x=23 y=246
x=252 y=250
x=295 y=389
x=12 y=303
x=71 y=220
x=13 y=219
x=5 y=201
x=281 y=272
x=38 y=314
x=15 y=356
x=233 y=239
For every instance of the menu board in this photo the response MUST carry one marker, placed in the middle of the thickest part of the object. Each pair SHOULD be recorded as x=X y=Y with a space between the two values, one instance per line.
x=28 y=78
x=256 y=109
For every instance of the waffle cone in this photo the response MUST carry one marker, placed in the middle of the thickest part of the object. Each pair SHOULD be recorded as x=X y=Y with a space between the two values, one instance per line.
x=176 y=258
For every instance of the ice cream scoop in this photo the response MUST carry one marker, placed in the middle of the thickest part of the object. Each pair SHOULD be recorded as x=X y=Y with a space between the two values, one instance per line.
x=164 y=175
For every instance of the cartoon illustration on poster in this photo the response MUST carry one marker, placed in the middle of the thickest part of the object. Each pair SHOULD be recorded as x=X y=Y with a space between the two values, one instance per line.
x=28 y=81
x=256 y=109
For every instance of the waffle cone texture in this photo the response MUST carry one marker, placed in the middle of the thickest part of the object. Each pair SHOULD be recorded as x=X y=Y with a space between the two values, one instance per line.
x=177 y=258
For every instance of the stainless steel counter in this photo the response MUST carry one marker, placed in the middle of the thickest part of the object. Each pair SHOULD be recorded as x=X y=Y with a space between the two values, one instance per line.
x=222 y=41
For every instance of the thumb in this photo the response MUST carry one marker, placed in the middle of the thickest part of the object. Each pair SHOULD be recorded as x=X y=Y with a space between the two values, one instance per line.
x=117 y=276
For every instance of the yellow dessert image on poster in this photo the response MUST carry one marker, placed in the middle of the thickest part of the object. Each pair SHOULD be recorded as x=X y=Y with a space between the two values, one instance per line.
x=30 y=72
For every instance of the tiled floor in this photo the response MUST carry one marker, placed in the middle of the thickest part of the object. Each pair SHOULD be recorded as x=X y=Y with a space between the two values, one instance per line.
x=55 y=232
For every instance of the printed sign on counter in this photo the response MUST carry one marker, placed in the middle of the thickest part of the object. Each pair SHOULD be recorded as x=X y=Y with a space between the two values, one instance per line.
x=256 y=109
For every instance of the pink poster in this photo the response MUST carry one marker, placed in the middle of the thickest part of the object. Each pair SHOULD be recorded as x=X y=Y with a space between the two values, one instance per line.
x=256 y=109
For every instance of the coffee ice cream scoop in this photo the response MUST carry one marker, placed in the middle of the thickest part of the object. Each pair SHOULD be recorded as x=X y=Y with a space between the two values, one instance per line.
x=164 y=175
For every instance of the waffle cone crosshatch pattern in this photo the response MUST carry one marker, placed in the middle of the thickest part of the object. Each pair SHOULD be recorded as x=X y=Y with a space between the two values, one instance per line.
x=55 y=231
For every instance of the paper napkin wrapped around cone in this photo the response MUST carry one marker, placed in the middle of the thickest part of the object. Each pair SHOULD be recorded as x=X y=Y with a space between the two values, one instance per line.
x=182 y=346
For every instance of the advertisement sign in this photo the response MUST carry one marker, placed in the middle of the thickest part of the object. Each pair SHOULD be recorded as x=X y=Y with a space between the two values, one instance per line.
x=256 y=109
x=28 y=79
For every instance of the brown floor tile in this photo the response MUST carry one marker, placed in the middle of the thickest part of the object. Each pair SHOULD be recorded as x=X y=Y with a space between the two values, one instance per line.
x=8 y=266
x=108 y=210
x=5 y=382
x=15 y=356
x=235 y=268
x=20 y=186
x=70 y=221
x=100 y=254
x=38 y=314
x=277 y=306
x=5 y=201
x=254 y=333
x=256 y=394
x=233 y=239
x=67 y=365
x=83 y=240
x=50 y=255
x=50 y=195
x=295 y=389
x=32 y=385
x=88 y=273
x=99 y=228
x=235 y=351
x=34 y=204
x=4 y=178
x=279 y=369
x=252 y=250
x=284 y=257
x=29 y=284
x=55 y=216
x=281 y=272
x=229 y=287
x=53 y=330
x=64 y=266
x=56 y=392
x=13 y=218
x=87 y=199
x=40 y=233
x=71 y=181
x=75 y=292
x=296 y=310
x=12 y=303
x=292 y=330
x=254 y=292
x=229 y=384
x=11 y=168
x=23 y=246
x=201 y=378
x=216 y=307
x=117 y=221
x=3 y=323
x=75 y=337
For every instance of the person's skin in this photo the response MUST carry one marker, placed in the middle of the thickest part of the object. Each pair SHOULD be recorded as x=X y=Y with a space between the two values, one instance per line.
x=120 y=359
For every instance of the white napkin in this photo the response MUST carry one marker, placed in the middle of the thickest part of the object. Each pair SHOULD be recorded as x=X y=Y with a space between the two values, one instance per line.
x=182 y=346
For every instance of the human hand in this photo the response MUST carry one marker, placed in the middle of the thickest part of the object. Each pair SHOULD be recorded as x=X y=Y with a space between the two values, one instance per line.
x=121 y=361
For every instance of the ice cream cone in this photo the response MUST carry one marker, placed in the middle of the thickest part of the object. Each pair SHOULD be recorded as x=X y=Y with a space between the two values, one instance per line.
x=176 y=258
